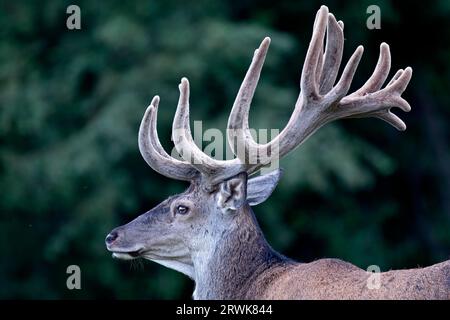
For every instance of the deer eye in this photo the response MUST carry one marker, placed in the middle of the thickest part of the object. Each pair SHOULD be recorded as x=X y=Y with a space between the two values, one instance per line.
x=182 y=210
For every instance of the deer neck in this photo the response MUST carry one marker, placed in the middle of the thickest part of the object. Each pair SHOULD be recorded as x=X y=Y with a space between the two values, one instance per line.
x=231 y=259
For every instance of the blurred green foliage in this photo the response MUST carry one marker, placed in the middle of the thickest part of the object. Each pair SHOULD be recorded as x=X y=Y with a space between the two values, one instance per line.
x=71 y=102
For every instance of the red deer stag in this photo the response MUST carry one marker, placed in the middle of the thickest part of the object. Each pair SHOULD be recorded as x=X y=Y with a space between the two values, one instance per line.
x=210 y=232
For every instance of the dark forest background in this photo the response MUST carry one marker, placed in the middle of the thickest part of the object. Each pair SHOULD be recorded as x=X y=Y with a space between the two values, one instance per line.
x=71 y=103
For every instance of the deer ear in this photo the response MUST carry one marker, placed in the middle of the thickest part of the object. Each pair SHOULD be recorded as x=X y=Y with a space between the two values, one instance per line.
x=233 y=192
x=261 y=187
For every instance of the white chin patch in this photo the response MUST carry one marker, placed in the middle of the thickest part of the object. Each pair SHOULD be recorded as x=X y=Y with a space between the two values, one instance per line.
x=122 y=256
x=184 y=268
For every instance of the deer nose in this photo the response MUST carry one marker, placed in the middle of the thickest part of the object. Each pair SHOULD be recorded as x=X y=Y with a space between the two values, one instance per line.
x=111 y=237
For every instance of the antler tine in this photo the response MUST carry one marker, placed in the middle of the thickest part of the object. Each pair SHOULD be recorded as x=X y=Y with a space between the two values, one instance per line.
x=154 y=154
x=212 y=169
x=380 y=74
x=308 y=81
x=343 y=86
x=238 y=120
x=150 y=127
x=333 y=54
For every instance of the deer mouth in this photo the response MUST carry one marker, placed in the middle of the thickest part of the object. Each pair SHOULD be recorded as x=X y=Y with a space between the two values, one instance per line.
x=127 y=255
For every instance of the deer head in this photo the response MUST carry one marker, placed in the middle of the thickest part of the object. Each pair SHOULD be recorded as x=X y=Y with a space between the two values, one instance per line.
x=195 y=225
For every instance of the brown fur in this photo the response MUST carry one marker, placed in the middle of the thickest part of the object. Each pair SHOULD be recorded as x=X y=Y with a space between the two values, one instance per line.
x=336 y=279
x=253 y=270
